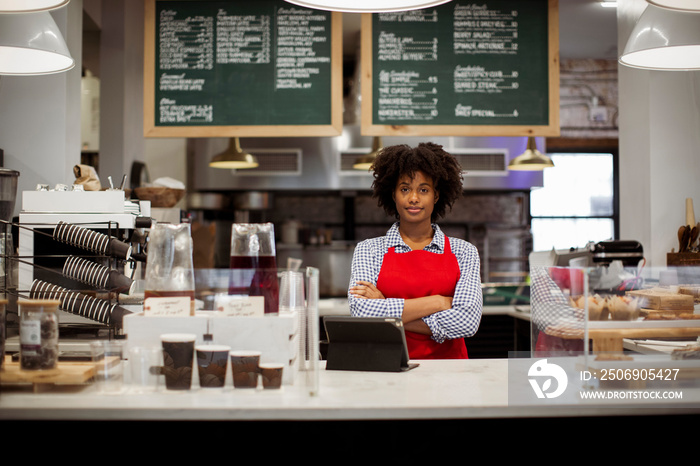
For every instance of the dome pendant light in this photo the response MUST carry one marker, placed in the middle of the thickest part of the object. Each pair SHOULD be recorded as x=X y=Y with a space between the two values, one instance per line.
x=531 y=159
x=682 y=5
x=31 y=44
x=666 y=39
x=233 y=157
x=367 y=6
x=365 y=162
x=28 y=6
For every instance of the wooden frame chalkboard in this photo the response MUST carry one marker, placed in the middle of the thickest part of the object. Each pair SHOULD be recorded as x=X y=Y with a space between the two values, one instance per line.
x=253 y=69
x=462 y=69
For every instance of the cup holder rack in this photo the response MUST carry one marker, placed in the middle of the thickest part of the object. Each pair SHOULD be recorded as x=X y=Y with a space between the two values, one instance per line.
x=76 y=265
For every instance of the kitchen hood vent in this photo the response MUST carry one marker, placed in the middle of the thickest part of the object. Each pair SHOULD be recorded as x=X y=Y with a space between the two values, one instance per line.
x=348 y=158
x=479 y=162
x=476 y=162
x=271 y=162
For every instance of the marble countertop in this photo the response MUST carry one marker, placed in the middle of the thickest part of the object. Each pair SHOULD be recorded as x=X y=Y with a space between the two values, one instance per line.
x=438 y=389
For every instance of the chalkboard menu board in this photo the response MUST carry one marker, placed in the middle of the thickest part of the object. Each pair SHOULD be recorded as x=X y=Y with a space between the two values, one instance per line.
x=488 y=68
x=241 y=68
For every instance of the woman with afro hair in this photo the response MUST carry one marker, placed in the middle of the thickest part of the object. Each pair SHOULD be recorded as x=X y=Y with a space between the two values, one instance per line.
x=415 y=272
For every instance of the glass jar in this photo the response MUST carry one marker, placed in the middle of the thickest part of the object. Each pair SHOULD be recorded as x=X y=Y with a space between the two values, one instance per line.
x=169 y=271
x=3 y=304
x=254 y=264
x=38 y=334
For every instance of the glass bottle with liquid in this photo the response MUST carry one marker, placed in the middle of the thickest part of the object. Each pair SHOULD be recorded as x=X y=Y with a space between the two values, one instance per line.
x=254 y=263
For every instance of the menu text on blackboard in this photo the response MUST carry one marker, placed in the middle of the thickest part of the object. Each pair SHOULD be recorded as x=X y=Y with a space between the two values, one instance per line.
x=462 y=68
x=218 y=68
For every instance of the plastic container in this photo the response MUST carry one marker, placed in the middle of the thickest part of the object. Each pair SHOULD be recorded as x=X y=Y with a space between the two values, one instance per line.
x=3 y=305
x=38 y=334
x=169 y=271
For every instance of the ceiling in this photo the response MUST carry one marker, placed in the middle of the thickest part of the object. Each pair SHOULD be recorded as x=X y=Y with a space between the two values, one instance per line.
x=586 y=30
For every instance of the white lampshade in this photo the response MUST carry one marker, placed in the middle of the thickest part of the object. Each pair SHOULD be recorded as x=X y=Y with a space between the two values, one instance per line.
x=31 y=44
x=367 y=6
x=664 y=39
x=682 y=5
x=27 y=6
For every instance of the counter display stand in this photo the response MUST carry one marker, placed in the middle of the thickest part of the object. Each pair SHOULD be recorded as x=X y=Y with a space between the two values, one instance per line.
x=603 y=314
x=289 y=337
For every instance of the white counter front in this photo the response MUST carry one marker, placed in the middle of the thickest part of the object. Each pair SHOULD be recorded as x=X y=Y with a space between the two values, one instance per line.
x=467 y=389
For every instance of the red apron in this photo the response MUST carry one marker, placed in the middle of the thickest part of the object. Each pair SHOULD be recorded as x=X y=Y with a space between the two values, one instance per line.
x=421 y=273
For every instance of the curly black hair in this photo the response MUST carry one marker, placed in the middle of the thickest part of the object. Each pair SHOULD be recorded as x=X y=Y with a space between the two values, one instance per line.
x=392 y=162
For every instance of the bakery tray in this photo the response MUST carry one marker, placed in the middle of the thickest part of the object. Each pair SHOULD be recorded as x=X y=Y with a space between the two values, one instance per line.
x=65 y=373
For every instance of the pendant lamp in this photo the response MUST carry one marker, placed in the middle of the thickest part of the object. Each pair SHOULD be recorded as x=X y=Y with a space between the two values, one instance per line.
x=531 y=159
x=367 y=6
x=31 y=44
x=234 y=157
x=28 y=6
x=365 y=162
x=681 y=5
x=665 y=38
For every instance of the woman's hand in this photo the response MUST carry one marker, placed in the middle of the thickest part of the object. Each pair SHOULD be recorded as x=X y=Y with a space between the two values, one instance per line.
x=417 y=308
x=366 y=290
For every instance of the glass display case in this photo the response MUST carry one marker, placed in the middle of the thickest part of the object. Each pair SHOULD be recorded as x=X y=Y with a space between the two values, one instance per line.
x=614 y=309
x=624 y=331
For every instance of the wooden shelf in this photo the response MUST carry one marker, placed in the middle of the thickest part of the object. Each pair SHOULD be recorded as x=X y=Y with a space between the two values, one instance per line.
x=610 y=339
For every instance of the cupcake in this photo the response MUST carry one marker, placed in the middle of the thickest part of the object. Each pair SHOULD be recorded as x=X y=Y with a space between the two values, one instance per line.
x=624 y=307
x=597 y=306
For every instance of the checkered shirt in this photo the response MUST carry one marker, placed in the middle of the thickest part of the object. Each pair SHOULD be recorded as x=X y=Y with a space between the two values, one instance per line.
x=549 y=305
x=462 y=320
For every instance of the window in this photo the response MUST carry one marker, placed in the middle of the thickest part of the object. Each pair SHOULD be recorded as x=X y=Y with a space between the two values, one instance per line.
x=577 y=202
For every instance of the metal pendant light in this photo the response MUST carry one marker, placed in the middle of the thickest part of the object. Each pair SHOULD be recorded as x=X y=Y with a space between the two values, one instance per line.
x=531 y=159
x=234 y=157
x=365 y=162
x=31 y=44
x=666 y=37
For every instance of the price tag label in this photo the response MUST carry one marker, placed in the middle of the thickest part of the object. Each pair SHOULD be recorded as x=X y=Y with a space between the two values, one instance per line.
x=167 y=306
x=241 y=306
